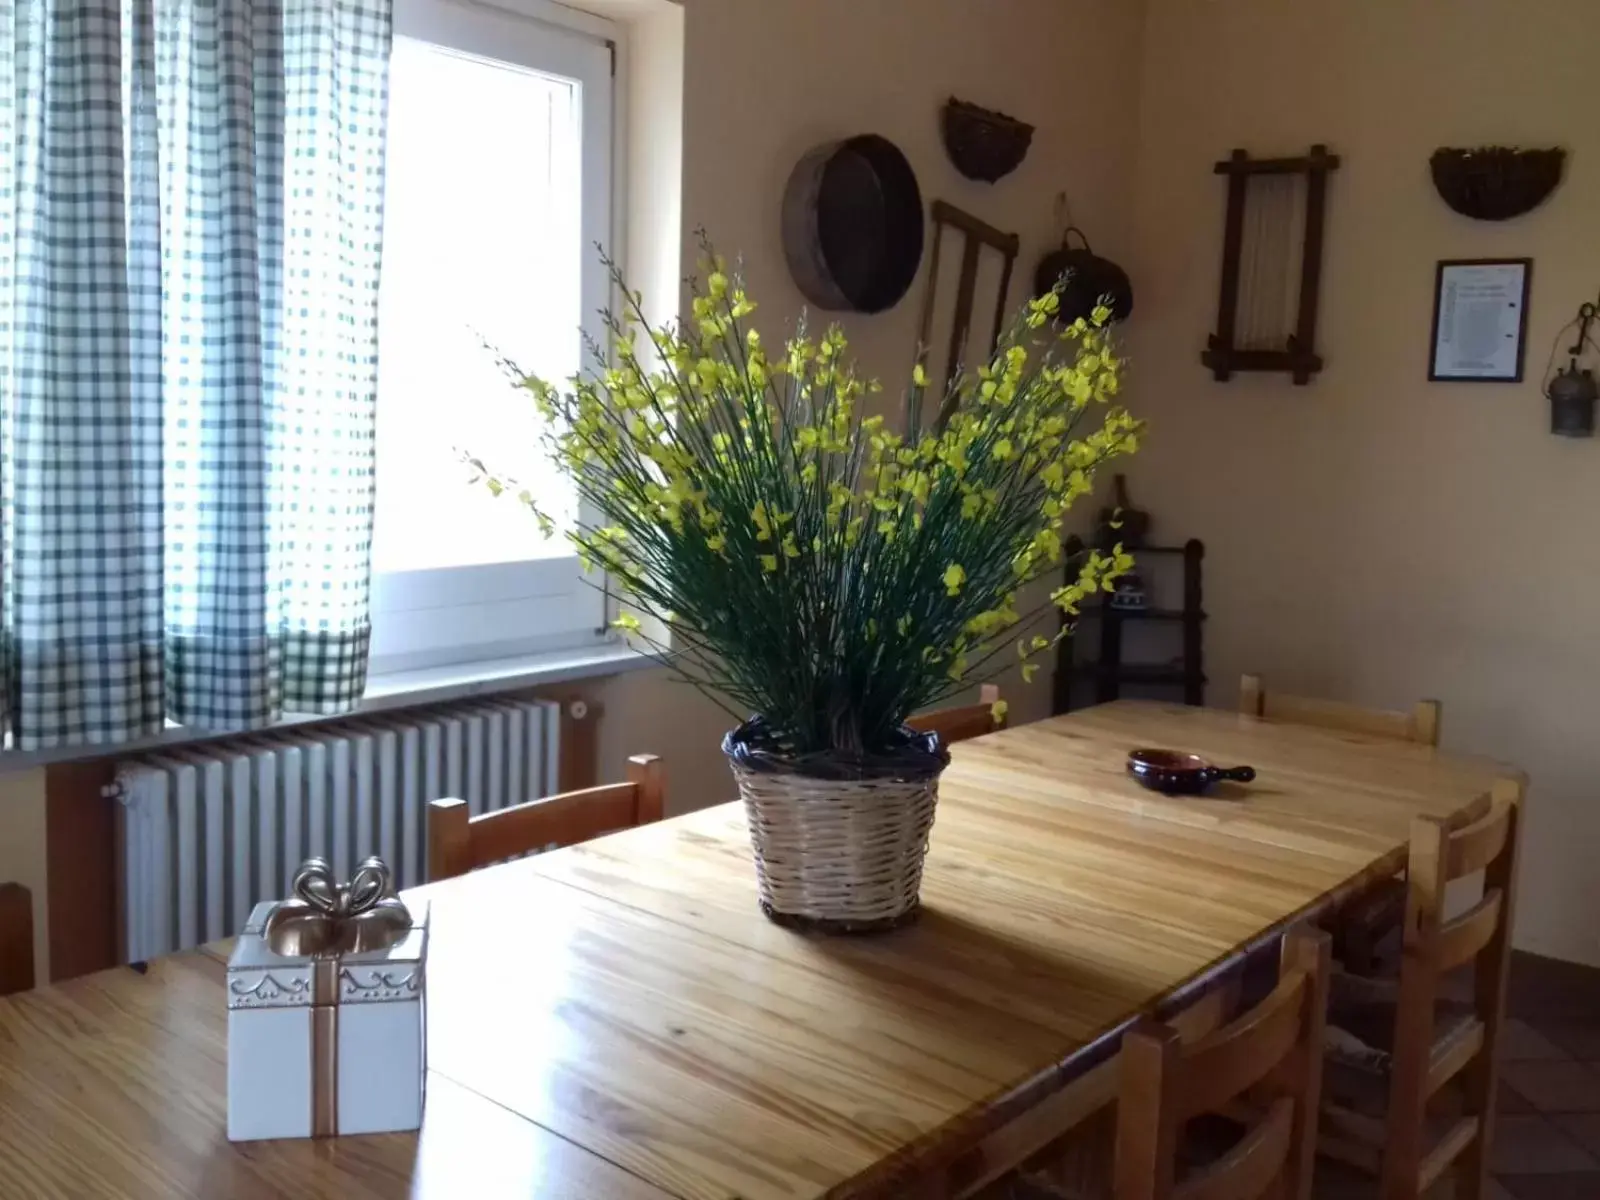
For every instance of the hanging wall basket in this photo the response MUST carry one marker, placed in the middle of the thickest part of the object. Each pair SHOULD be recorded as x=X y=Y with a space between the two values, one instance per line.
x=983 y=144
x=1496 y=183
x=1086 y=280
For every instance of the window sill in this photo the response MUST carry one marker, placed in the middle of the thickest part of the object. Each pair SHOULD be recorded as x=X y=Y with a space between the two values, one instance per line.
x=405 y=689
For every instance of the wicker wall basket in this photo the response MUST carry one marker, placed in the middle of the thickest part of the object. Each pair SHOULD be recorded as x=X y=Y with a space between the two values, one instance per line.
x=1496 y=183
x=838 y=854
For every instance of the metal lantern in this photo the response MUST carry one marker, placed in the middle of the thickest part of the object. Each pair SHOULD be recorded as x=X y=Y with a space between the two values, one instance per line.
x=1572 y=395
x=1573 y=391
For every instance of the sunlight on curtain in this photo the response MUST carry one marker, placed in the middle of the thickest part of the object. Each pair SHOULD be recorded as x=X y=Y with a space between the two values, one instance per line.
x=190 y=218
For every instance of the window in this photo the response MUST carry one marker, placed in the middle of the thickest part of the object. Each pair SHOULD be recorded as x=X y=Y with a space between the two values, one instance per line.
x=497 y=190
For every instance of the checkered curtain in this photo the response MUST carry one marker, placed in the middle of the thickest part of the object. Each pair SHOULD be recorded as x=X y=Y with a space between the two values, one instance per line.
x=190 y=218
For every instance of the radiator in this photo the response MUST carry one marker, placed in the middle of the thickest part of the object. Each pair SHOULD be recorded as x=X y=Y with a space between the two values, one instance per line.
x=205 y=833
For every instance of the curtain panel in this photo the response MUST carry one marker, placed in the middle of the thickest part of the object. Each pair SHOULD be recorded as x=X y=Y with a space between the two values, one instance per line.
x=190 y=226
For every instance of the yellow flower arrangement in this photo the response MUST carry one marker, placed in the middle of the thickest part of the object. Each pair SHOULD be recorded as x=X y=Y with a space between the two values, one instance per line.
x=821 y=566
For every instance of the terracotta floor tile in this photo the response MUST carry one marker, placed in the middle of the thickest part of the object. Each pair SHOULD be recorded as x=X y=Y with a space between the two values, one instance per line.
x=1542 y=989
x=1552 y=1087
x=1511 y=1101
x=1531 y=1145
x=1582 y=1185
x=1583 y=1128
x=1521 y=1042
x=1580 y=1039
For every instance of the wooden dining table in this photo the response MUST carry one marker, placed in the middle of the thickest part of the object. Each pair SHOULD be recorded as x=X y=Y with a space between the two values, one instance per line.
x=620 y=1020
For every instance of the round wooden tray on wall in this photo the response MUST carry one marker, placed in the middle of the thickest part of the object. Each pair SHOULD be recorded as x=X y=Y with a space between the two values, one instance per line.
x=853 y=225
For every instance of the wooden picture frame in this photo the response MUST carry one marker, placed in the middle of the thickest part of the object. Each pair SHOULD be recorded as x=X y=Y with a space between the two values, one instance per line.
x=1468 y=342
x=1236 y=345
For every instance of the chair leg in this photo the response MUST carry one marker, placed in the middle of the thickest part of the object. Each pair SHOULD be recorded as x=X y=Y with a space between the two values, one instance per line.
x=16 y=939
x=1481 y=1078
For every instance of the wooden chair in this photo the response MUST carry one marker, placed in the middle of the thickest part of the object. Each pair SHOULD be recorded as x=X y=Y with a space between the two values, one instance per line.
x=1373 y=917
x=458 y=843
x=1263 y=1066
x=1420 y=724
x=968 y=721
x=16 y=939
x=1411 y=1105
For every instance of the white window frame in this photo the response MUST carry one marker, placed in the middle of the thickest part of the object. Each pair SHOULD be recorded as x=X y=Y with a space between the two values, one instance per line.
x=458 y=615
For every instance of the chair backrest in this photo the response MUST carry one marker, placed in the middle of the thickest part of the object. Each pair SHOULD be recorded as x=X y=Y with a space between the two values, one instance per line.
x=458 y=843
x=1420 y=725
x=16 y=939
x=1434 y=945
x=968 y=721
x=1270 y=1056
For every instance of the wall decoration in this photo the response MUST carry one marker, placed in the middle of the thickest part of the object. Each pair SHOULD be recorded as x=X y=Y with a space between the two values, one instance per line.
x=1496 y=183
x=983 y=144
x=1480 y=320
x=976 y=236
x=1271 y=265
x=853 y=225
x=1572 y=391
x=1089 y=280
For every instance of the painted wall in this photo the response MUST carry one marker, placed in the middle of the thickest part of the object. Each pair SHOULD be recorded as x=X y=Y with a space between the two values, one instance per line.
x=767 y=81
x=1373 y=536
x=763 y=82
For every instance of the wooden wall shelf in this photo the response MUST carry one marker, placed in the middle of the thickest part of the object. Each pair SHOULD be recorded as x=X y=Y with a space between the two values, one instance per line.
x=1107 y=671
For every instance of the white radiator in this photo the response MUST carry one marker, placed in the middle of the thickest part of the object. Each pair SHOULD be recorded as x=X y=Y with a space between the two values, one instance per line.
x=207 y=832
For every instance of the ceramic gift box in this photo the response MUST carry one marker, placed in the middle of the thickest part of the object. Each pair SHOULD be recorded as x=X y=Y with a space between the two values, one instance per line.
x=326 y=1011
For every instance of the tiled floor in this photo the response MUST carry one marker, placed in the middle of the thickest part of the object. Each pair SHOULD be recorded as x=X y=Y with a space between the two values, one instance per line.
x=1547 y=1138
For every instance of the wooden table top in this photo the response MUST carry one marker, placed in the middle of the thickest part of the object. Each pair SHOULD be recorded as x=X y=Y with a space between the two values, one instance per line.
x=619 y=1019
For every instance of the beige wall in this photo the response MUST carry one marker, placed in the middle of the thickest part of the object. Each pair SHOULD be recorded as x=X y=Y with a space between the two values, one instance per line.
x=766 y=80
x=1374 y=536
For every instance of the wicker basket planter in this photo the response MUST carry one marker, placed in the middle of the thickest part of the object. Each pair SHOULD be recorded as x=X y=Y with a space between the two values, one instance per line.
x=838 y=845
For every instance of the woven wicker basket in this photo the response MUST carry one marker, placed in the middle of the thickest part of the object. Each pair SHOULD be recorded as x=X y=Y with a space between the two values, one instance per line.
x=839 y=855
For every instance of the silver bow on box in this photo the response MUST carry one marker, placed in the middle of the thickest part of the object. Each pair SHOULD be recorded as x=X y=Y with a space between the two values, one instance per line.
x=330 y=919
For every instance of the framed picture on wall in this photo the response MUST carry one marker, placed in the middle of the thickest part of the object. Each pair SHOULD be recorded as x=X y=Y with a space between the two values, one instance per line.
x=1480 y=320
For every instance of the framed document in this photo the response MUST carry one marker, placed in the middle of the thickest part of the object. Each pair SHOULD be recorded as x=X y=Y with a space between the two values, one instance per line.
x=1480 y=320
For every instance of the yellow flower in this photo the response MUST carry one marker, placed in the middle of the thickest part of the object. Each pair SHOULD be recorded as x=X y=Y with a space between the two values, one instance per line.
x=626 y=621
x=769 y=563
x=919 y=376
x=717 y=543
x=790 y=550
x=998 y=711
x=1029 y=670
x=954 y=576
x=758 y=514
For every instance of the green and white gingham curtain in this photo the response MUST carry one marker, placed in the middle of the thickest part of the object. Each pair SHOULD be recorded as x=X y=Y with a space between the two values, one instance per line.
x=190 y=219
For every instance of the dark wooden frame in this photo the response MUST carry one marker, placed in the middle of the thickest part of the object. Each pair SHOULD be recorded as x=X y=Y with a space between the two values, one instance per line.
x=1522 y=324
x=1300 y=358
